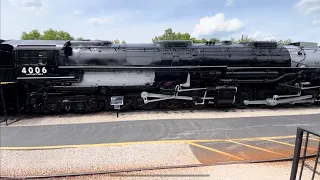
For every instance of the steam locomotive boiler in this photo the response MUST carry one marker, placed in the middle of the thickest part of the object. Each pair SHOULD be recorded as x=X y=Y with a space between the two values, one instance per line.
x=85 y=76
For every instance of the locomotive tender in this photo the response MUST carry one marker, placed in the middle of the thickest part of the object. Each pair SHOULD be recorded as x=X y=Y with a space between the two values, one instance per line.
x=85 y=76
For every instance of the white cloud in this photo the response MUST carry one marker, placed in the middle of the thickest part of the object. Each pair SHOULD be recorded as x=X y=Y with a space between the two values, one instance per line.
x=217 y=23
x=258 y=35
x=76 y=12
x=308 y=6
x=36 y=6
x=229 y=2
x=316 y=22
x=100 y=21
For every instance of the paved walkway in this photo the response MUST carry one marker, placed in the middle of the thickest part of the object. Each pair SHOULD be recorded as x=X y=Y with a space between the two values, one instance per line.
x=155 y=130
x=201 y=141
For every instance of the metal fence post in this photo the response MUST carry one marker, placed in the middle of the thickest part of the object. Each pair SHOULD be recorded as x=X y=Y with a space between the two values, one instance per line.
x=3 y=104
x=296 y=156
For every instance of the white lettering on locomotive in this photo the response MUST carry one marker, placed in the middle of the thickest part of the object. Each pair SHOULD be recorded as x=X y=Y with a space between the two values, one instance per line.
x=34 y=70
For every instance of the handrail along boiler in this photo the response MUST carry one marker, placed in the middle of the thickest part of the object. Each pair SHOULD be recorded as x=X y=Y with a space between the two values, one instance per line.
x=85 y=76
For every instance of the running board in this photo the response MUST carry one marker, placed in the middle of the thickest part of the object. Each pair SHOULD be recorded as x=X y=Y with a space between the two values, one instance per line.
x=274 y=101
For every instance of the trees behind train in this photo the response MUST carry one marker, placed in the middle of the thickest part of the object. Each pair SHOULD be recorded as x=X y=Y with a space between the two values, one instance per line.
x=169 y=34
x=52 y=34
x=49 y=34
x=117 y=41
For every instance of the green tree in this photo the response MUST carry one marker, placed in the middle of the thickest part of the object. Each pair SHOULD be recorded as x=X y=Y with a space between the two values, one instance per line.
x=117 y=41
x=214 y=40
x=249 y=39
x=242 y=40
x=179 y=36
x=284 y=42
x=49 y=34
x=32 y=35
x=169 y=34
x=80 y=39
x=194 y=40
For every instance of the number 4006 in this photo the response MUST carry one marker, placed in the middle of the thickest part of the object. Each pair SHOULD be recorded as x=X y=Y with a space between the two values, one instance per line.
x=34 y=70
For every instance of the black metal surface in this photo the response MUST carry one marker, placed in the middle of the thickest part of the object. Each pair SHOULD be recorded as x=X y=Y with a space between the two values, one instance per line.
x=49 y=64
x=26 y=43
x=316 y=162
x=7 y=75
x=297 y=151
x=3 y=104
x=91 y=43
x=304 y=154
x=176 y=53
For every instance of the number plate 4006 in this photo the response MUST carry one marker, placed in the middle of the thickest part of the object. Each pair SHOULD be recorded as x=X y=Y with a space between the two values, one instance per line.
x=34 y=70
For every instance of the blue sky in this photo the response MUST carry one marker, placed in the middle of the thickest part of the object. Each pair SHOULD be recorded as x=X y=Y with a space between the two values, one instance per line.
x=141 y=20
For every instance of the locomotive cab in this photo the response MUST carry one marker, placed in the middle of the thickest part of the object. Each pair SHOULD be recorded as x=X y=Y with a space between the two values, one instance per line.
x=39 y=60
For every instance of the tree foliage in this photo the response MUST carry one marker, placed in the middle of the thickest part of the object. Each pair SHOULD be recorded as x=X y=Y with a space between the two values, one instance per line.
x=169 y=34
x=49 y=34
x=32 y=35
x=284 y=42
x=117 y=41
x=80 y=39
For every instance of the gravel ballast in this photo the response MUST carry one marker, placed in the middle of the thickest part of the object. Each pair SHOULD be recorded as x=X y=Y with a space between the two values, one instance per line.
x=263 y=171
x=93 y=159
x=97 y=159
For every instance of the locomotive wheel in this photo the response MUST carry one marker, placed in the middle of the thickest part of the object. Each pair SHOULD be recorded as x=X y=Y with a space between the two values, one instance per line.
x=243 y=94
x=190 y=104
x=172 y=104
x=148 y=106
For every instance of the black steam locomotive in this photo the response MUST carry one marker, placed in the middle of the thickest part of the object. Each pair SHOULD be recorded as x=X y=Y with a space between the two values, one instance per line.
x=86 y=76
